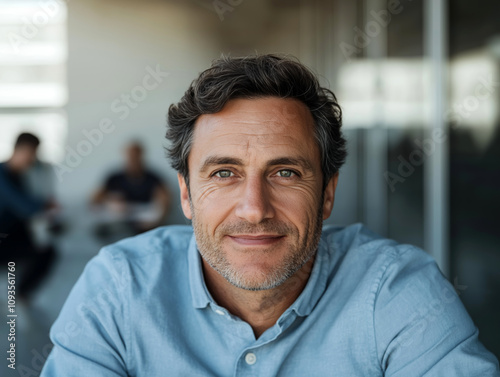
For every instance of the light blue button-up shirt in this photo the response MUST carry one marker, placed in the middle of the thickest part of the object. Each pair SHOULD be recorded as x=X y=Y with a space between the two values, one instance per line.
x=371 y=307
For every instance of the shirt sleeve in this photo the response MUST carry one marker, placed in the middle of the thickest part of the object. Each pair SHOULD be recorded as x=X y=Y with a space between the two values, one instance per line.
x=155 y=179
x=113 y=182
x=421 y=326
x=90 y=334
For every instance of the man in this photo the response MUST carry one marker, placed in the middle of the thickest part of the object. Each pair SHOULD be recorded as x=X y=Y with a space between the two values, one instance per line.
x=256 y=287
x=139 y=195
x=17 y=206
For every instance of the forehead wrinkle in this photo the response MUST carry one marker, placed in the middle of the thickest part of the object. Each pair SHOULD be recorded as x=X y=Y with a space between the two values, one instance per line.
x=239 y=132
x=251 y=141
x=246 y=133
x=251 y=127
x=249 y=144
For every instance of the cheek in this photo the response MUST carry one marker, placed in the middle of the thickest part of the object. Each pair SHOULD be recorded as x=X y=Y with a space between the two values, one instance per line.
x=298 y=206
x=212 y=197
x=212 y=205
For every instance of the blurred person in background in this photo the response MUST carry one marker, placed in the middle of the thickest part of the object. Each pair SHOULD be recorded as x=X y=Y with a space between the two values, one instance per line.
x=19 y=206
x=132 y=200
x=39 y=180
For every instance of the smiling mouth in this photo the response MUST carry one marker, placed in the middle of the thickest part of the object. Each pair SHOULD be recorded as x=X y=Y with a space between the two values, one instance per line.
x=256 y=239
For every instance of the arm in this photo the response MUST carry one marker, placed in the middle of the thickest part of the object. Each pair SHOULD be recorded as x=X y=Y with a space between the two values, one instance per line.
x=90 y=335
x=99 y=196
x=421 y=326
x=160 y=202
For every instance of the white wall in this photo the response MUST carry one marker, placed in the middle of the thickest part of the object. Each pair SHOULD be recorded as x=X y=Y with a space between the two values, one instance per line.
x=111 y=44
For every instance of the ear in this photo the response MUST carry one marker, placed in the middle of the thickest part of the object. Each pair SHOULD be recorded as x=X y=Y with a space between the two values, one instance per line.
x=186 y=208
x=329 y=197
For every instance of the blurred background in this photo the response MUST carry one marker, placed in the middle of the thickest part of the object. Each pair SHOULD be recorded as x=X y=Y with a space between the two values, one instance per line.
x=418 y=82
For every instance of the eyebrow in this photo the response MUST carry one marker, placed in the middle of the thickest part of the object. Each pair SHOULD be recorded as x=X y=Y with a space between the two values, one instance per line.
x=220 y=160
x=294 y=161
x=223 y=160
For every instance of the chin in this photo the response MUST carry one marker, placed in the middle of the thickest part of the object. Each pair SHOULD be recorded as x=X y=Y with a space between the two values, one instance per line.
x=255 y=278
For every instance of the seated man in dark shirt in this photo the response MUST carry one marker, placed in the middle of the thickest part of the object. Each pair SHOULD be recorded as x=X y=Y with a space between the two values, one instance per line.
x=17 y=207
x=135 y=196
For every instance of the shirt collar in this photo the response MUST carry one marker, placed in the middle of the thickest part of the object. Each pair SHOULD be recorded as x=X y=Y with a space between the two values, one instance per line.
x=315 y=287
x=302 y=306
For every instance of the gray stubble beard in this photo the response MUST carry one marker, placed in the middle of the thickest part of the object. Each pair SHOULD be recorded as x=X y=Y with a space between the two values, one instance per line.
x=213 y=254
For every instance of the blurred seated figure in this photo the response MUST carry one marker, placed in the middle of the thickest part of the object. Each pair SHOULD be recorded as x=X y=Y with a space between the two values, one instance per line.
x=18 y=208
x=39 y=180
x=133 y=200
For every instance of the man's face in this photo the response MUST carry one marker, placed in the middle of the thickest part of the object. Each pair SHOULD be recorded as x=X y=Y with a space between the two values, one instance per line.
x=25 y=156
x=134 y=157
x=256 y=200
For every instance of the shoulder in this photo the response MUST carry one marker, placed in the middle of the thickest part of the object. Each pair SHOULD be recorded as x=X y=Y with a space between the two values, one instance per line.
x=401 y=292
x=135 y=265
x=162 y=240
x=370 y=250
x=3 y=168
x=389 y=267
x=135 y=262
x=349 y=236
x=408 y=306
x=152 y=176
x=115 y=176
x=378 y=271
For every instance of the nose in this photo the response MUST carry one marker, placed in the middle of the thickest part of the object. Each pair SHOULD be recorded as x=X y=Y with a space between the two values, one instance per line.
x=254 y=205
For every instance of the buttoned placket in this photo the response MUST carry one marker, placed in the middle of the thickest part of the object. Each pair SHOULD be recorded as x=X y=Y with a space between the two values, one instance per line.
x=251 y=358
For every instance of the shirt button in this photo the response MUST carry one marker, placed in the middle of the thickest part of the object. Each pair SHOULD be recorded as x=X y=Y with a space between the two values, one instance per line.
x=219 y=312
x=250 y=358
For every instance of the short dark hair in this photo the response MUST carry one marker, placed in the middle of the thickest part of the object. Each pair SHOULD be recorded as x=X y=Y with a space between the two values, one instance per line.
x=27 y=139
x=255 y=77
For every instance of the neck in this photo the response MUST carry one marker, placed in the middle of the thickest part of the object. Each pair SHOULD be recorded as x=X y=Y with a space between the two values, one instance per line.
x=260 y=309
x=134 y=172
x=13 y=166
